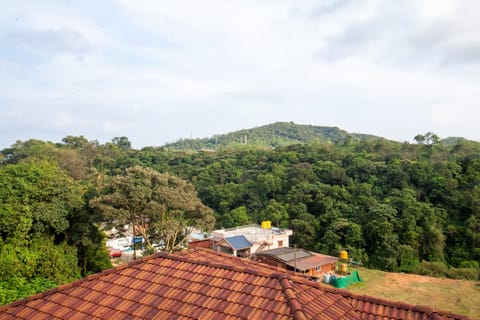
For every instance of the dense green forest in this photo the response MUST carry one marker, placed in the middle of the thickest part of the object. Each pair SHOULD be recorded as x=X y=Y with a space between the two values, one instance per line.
x=273 y=135
x=411 y=207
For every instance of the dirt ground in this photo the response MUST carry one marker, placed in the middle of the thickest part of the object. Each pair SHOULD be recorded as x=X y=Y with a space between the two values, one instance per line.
x=458 y=296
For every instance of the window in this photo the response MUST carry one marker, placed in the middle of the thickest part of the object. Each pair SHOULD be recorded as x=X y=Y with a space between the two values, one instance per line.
x=280 y=243
x=318 y=268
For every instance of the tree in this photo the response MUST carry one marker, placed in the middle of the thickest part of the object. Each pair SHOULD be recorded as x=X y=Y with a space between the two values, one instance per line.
x=37 y=200
x=89 y=240
x=431 y=138
x=340 y=234
x=420 y=138
x=159 y=206
x=304 y=231
x=427 y=138
x=39 y=191
x=382 y=240
x=86 y=151
x=30 y=150
x=236 y=217
x=75 y=142
x=276 y=212
x=122 y=142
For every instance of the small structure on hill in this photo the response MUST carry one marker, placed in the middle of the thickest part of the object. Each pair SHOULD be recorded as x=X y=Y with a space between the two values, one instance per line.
x=238 y=246
x=312 y=264
x=250 y=240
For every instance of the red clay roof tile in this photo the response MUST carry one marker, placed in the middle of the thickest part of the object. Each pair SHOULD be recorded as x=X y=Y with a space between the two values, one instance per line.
x=203 y=284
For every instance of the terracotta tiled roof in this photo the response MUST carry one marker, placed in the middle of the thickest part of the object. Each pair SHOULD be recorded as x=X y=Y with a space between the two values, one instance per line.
x=299 y=259
x=286 y=254
x=312 y=261
x=203 y=284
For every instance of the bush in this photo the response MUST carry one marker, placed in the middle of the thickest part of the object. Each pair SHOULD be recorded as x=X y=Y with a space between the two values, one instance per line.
x=433 y=269
x=17 y=288
x=439 y=269
x=464 y=273
x=469 y=264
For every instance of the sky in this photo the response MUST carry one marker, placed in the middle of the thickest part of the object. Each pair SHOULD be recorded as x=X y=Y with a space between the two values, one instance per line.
x=157 y=71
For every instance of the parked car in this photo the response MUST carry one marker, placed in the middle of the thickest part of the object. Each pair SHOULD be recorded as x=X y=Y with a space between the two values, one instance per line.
x=114 y=253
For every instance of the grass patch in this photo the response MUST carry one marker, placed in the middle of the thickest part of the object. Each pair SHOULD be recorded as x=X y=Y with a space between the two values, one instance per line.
x=457 y=296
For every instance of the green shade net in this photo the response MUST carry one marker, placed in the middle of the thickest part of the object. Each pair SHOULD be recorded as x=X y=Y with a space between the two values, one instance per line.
x=345 y=281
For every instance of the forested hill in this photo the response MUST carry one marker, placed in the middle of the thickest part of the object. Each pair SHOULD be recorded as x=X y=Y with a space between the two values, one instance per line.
x=399 y=206
x=272 y=135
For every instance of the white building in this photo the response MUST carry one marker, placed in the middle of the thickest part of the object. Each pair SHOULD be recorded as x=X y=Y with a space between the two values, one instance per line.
x=120 y=243
x=248 y=240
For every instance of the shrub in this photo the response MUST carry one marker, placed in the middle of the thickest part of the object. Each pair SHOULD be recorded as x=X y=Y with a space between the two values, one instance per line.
x=433 y=269
x=439 y=269
x=469 y=264
x=464 y=273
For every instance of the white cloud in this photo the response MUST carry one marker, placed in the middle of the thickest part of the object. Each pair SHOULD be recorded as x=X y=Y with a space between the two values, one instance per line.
x=156 y=71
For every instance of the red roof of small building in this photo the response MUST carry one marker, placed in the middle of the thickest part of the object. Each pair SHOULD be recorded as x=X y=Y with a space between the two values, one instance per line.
x=203 y=284
x=315 y=260
x=299 y=259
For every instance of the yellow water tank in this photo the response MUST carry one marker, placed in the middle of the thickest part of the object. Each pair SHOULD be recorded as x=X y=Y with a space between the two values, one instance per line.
x=344 y=255
x=266 y=224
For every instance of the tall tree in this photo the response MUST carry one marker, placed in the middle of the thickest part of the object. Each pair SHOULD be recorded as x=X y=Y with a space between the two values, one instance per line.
x=122 y=142
x=276 y=212
x=159 y=206
x=382 y=240
x=37 y=200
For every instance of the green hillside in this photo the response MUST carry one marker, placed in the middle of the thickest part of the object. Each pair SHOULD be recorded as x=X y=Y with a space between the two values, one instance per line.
x=394 y=206
x=273 y=135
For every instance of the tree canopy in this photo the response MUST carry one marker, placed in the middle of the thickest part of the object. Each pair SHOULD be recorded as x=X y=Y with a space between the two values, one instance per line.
x=37 y=200
x=159 y=206
x=393 y=206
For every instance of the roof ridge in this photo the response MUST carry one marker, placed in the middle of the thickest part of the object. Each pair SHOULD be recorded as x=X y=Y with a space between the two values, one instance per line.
x=286 y=287
x=216 y=264
x=254 y=263
x=274 y=271
x=295 y=306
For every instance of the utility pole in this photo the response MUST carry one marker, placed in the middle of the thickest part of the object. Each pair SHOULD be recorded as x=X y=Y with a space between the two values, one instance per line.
x=295 y=257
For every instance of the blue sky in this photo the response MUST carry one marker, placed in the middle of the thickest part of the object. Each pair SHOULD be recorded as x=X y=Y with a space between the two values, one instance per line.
x=157 y=71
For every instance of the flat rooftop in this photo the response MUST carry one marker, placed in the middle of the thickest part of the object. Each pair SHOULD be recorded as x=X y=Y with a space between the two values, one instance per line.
x=252 y=232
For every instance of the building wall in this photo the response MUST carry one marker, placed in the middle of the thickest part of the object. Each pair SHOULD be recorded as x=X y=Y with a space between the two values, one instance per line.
x=119 y=243
x=257 y=237
x=271 y=261
x=281 y=241
x=208 y=243
x=328 y=268
x=275 y=241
